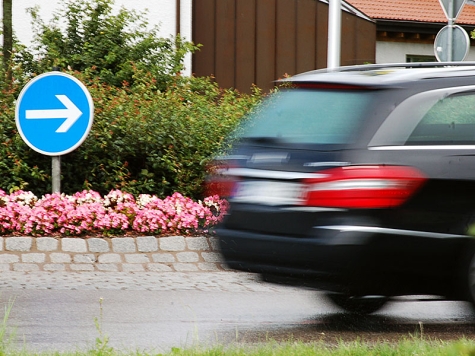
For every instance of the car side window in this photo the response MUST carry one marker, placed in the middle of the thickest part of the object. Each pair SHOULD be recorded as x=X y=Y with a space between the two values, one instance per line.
x=443 y=116
x=450 y=121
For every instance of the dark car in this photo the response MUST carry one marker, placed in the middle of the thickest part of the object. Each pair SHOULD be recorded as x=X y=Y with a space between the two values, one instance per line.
x=360 y=182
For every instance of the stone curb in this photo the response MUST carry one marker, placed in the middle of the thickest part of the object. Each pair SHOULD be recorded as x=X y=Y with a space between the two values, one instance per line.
x=117 y=254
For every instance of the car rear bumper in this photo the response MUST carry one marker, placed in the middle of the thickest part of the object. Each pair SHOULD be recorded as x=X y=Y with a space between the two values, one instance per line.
x=348 y=258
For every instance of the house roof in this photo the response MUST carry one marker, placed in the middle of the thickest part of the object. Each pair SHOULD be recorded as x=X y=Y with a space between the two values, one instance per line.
x=411 y=10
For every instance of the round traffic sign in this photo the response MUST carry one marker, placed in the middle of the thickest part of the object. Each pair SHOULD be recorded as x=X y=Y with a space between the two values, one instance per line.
x=54 y=113
x=451 y=44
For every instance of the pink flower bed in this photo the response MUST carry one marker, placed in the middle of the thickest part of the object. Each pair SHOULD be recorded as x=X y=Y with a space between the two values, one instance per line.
x=117 y=213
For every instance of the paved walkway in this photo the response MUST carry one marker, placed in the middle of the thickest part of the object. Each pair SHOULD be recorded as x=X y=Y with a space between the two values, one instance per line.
x=156 y=281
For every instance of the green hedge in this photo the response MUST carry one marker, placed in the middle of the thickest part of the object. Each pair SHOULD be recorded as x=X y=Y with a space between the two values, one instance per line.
x=142 y=140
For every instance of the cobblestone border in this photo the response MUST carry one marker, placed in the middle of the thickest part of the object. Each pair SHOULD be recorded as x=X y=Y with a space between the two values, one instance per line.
x=127 y=254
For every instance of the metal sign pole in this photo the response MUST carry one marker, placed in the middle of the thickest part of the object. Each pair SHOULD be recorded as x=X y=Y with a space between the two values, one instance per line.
x=334 y=33
x=56 y=174
x=450 y=44
x=56 y=166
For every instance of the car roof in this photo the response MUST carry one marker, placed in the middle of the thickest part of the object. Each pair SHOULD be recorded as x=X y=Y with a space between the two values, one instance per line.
x=381 y=75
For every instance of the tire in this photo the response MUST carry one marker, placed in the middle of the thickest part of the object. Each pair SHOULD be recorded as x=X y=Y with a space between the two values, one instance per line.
x=358 y=304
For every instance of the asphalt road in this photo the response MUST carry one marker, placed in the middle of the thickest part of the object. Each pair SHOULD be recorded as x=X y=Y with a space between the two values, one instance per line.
x=158 y=311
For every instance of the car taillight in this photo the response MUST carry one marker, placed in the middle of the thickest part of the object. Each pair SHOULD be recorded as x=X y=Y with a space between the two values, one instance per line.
x=218 y=182
x=362 y=187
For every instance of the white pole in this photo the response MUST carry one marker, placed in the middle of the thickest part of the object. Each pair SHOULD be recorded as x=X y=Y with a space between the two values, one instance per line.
x=334 y=34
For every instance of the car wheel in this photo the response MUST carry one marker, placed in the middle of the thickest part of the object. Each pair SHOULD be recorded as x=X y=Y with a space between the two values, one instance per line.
x=358 y=304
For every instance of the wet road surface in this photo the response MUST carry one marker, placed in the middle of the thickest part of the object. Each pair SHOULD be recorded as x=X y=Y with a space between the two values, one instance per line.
x=157 y=311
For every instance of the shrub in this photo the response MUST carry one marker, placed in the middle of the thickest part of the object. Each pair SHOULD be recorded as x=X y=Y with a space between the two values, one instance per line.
x=141 y=141
x=154 y=142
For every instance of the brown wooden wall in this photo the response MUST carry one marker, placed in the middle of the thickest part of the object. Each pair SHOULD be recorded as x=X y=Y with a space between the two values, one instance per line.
x=249 y=42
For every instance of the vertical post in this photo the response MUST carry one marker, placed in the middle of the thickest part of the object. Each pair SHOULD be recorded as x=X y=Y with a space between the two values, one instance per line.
x=56 y=167
x=7 y=40
x=334 y=34
x=178 y=17
x=450 y=40
x=56 y=174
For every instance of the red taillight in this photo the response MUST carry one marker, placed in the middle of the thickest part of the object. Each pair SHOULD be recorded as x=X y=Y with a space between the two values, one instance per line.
x=218 y=182
x=222 y=186
x=363 y=187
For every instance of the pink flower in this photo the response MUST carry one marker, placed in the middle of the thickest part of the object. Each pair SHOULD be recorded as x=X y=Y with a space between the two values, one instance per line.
x=117 y=212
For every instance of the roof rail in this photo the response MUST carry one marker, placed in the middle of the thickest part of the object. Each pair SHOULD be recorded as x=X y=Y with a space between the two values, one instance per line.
x=383 y=66
x=363 y=67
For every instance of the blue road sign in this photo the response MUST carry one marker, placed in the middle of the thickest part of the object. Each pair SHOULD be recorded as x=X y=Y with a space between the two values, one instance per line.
x=54 y=113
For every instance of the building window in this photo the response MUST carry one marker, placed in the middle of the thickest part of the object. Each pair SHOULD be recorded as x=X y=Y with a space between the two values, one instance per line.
x=410 y=58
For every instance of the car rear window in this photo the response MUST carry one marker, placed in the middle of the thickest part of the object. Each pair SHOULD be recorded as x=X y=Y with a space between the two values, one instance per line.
x=309 y=116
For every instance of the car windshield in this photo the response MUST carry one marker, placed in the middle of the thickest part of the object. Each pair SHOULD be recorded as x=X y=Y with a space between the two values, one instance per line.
x=309 y=116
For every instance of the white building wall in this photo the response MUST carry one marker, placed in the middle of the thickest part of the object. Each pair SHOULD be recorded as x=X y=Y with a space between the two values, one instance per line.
x=159 y=12
x=395 y=52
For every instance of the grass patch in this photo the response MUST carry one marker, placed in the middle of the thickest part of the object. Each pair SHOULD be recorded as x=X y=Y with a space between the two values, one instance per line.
x=412 y=345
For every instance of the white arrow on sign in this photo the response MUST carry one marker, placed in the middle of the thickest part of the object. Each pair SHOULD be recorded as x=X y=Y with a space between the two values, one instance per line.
x=71 y=114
